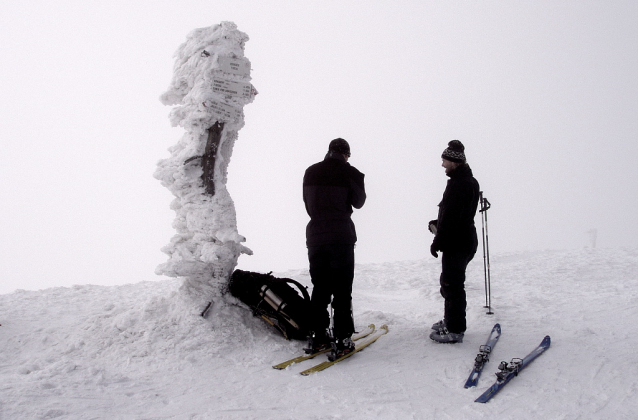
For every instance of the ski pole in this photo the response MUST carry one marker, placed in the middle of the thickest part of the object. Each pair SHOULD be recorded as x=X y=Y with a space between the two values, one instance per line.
x=485 y=205
x=487 y=247
x=483 y=238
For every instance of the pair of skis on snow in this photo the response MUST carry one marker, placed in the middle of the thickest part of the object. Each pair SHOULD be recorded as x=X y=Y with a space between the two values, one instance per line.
x=507 y=371
x=362 y=340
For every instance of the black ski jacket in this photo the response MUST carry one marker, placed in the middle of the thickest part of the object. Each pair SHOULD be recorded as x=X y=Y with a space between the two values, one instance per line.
x=331 y=188
x=455 y=225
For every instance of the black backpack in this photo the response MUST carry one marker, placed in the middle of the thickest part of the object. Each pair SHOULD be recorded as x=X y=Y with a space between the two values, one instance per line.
x=274 y=300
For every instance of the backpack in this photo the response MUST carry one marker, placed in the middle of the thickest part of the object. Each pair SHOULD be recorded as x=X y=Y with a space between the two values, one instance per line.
x=275 y=301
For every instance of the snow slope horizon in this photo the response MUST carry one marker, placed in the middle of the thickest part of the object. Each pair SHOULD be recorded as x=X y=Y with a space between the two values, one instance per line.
x=140 y=351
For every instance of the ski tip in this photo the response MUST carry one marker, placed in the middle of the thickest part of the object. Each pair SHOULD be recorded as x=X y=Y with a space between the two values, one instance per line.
x=368 y=330
x=487 y=395
x=546 y=341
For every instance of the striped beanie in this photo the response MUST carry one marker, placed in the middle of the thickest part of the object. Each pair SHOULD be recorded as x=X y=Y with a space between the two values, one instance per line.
x=454 y=152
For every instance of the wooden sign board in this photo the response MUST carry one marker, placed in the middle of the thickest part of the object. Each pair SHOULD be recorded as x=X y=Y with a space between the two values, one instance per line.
x=229 y=87
x=239 y=66
x=225 y=111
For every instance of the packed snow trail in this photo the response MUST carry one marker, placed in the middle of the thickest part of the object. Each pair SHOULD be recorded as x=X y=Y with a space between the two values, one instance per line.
x=134 y=352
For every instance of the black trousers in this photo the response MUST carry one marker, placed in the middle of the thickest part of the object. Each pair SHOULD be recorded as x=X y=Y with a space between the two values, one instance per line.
x=454 y=264
x=332 y=274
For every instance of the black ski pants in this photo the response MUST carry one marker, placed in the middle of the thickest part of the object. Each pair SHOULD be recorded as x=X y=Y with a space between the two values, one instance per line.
x=332 y=274
x=454 y=264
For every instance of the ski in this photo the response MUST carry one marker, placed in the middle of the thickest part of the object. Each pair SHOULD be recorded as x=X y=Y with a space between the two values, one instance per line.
x=358 y=347
x=483 y=356
x=358 y=336
x=508 y=370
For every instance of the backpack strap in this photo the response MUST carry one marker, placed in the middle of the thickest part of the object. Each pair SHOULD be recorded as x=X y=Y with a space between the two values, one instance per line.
x=303 y=289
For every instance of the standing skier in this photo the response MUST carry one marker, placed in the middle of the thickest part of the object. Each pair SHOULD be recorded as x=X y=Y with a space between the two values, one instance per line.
x=331 y=188
x=455 y=236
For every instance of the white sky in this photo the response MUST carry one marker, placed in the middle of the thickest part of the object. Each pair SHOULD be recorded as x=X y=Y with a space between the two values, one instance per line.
x=542 y=93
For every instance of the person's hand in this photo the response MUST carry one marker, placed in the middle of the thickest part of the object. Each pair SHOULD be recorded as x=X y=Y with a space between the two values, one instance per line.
x=433 y=251
x=432 y=226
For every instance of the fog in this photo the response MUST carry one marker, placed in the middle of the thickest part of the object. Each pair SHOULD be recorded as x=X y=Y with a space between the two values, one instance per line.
x=543 y=95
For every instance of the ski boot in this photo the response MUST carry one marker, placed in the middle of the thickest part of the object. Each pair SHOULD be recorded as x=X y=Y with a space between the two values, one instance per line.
x=444 y=336
x=341 y=347
x=438 y=325
x=317 y=342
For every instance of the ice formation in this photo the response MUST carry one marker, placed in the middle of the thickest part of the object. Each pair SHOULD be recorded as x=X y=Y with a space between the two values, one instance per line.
x=210 y=86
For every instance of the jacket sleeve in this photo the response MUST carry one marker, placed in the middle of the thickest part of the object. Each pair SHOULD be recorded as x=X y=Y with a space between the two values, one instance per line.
x=303 y=191
x=357 y=189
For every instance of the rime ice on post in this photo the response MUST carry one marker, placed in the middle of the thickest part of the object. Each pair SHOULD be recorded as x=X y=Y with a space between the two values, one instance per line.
x=210 y=86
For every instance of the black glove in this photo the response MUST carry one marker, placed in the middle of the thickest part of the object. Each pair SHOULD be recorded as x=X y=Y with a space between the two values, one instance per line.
x=433 y=251
x=432 y=226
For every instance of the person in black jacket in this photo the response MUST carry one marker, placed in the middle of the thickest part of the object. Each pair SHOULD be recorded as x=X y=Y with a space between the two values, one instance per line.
x=331 y=188
x=455 y=236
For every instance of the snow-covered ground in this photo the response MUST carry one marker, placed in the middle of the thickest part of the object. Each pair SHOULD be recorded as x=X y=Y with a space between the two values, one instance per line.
x=140 y=351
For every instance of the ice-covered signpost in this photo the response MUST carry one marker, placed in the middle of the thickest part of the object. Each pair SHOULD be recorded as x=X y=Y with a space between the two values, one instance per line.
x=210 y=86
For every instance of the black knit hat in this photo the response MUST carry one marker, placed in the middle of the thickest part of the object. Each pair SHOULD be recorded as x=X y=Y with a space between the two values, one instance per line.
x=339 y=145
x=454 y=152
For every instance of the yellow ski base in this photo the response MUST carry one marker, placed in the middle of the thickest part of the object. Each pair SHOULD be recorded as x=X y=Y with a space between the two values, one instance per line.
x=321 y=366
x=291 y=362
